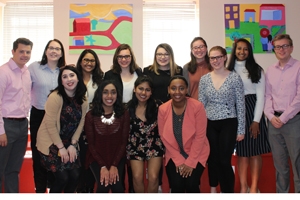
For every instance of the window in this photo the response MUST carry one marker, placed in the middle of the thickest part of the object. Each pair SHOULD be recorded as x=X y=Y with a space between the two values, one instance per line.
x=30 y=20
x=175 y=23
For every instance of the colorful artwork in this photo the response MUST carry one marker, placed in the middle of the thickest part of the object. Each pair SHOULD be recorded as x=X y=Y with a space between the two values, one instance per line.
x=258 y=23
x=101 y=27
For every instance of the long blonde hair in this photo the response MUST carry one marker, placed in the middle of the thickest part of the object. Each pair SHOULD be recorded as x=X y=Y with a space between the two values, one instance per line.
x=173 y=66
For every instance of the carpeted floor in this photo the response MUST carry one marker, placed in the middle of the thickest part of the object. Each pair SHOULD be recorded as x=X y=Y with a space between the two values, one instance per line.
x=266 y=184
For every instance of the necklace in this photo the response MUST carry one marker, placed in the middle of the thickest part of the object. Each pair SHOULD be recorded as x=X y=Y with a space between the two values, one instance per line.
x=109 y=121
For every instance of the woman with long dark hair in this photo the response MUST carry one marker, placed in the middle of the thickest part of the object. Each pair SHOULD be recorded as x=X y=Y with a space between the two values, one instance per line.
x=107 y=130
x=144 y=143
x=255 y=143
x=58 y=135
x=89 y=67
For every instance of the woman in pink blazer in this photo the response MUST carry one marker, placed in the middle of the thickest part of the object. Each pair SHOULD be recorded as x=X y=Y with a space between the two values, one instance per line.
x=182 y=127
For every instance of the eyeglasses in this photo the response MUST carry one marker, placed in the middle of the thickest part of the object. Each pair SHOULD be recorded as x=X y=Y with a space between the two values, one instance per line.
x=126 y=57
x=86 y=61
x=54 y=48
x=160 y=55
x=198 y=47
x=278 y=47
x=215 y=58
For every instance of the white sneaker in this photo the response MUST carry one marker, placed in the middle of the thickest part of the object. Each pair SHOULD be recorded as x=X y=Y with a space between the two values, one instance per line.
x=159 y=189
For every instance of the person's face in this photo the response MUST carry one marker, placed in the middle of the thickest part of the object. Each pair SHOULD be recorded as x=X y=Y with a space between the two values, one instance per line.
x=282 y=49
x=124 y=58
x=143 y=92
x=53 y=52
x=241 y=51
x=217 y=59
x=162 y=57
x=69 y=81
x=199 y=49
x=109 y=95
x=88 y=63
x=178 y=90
x=22 y=55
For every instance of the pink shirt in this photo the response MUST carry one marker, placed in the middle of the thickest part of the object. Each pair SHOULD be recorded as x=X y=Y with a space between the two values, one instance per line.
x=283 y=90
x=15 y=86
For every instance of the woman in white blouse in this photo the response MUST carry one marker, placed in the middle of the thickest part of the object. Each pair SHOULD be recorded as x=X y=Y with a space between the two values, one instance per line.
x=256 y=142
x=222 y=93
x=89 y=67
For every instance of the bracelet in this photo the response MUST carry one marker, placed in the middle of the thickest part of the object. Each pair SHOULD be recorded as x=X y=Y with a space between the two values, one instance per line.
x=61 y=147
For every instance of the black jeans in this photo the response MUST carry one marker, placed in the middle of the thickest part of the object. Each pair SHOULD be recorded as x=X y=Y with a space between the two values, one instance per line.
x=41 y=176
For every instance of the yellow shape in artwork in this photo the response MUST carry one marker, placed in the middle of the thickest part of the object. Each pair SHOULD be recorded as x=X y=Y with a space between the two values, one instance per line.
x=100 y=11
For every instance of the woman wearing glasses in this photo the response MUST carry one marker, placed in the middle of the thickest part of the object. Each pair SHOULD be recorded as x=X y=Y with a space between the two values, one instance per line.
x=44 y=75
x=162 y=69
x=222 y=93
x=198 y=65
x=124 y=72
x=88 y=65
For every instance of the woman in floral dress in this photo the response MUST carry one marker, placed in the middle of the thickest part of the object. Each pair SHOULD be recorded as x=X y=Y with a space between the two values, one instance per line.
x=144 y=143
x=57 y=137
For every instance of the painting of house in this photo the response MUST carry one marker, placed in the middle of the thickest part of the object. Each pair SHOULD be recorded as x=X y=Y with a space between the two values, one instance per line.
x=101 y=27
x=232 y=16
x=249 y=15
x=82 y=26
x=258 y=23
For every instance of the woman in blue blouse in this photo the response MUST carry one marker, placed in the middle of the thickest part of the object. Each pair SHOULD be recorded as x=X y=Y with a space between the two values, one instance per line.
x=222 y=93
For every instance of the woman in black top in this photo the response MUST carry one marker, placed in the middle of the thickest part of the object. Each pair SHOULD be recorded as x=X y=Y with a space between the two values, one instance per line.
x=162 y=69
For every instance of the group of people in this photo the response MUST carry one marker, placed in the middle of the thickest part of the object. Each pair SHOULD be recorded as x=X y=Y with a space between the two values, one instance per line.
x=89 y=128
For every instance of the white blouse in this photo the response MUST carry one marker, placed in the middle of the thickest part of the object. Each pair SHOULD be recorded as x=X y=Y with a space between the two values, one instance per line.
x=252 y=88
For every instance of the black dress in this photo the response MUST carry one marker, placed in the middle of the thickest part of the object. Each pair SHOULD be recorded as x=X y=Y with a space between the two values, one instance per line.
x=69 y=121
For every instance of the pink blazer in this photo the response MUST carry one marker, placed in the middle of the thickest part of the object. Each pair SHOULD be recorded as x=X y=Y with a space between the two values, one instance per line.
x=195 y=142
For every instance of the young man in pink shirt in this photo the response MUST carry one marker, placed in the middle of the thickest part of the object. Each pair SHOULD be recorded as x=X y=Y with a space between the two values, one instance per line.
x=15 y=86
x=282 y=108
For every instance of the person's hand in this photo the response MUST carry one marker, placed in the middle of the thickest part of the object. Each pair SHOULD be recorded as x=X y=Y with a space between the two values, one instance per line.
x=64 y=155
x=254 y=129
x=179 y=168
x=104 y=176
x=276 y=122
x=3 y=140
x=240 y=137
x=113 y=175
x=186 y=171
x=72 y=153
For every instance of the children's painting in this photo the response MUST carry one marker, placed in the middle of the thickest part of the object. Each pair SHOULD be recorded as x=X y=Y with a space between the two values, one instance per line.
x=101 y=27
x=258 y=23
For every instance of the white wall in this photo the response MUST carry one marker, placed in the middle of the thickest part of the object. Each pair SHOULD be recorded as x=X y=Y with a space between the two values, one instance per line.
x=61 y=28
x=212 y=24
